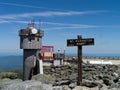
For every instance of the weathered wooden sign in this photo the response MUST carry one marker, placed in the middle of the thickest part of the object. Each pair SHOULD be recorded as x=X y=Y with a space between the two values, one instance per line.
x=80 y=42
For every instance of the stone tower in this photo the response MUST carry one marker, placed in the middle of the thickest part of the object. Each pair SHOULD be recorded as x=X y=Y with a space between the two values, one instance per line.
x=31 y=43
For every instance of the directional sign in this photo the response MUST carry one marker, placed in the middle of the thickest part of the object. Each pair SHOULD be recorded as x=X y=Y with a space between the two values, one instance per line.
x=80 y=42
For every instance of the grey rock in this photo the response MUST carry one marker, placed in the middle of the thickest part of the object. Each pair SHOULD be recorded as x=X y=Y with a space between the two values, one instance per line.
x=11 y=75
x=27 y=85
x=107 y=82
x=73 y=77
x=106 y=77
x=66 y=87
x=104 y=87
x=89 y=69
x=104 y=73
x=47 y=79
x=100 y=83
x=85 y=88
x=56 y=88
x=65 y=82
x=5 y=83
x=52 y=70
x=115 y=85
x=72 y=85
x=90 y=84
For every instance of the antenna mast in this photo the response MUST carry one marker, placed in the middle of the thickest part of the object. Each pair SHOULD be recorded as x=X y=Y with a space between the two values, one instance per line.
x=31 y=24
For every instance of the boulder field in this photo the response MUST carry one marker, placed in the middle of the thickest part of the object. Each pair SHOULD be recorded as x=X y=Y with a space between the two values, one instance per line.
x=95 y=77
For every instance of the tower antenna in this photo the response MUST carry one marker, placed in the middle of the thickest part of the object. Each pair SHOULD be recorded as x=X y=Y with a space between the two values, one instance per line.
x=31 y=24
x=39 y=24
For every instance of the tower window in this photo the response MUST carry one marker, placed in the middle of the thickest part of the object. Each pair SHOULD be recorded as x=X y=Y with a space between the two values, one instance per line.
x=29 y=39
x=38 y=39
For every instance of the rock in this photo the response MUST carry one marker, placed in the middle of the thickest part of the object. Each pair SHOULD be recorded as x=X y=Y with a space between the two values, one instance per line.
x=72 y=85
x=53 y=70
x=85 y=88
x=10 y=75
x=5 y=79
x=27 y=85
x=79 y=88
x=73 y=77
x=107 y=74
x=116 y=80
x=114 y=89
x=65 y=82
x=108 y=77
x=89 y=69
x=115 y=85
x=107 y=82
x=89 y=83
x=100 y=76
x=115 y=74
x=55 y=88
x=6 y=83
x=47 y=79
x=104 y=87
x=100 y=83
x=66 y=87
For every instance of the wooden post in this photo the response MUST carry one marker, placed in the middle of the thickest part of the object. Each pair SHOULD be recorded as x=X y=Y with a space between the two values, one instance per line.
x=79 y=82
x=80 y=42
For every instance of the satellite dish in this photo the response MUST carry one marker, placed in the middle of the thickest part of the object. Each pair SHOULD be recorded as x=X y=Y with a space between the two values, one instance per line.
x=34 y=31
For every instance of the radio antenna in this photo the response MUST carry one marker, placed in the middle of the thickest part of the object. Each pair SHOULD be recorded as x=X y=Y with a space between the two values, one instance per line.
x=39 y=24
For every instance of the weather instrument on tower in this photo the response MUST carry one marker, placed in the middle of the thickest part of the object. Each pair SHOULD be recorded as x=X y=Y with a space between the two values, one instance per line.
x=34 y=31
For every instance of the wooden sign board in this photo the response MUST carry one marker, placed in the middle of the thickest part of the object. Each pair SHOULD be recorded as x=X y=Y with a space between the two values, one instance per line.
x=80 y=42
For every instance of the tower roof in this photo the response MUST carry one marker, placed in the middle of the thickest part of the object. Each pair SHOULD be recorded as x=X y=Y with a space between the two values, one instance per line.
x=31 y=31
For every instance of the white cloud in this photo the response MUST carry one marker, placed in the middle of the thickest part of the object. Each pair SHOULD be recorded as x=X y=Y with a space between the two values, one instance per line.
x=70 y=27
x=47 y=14
x=4 y=21
x=27 y=6
x=39 y=7
x=54 y=24
x=73 y=25
x=60 y=26
x=22 y=22
x=67 y=26
x=64 y=24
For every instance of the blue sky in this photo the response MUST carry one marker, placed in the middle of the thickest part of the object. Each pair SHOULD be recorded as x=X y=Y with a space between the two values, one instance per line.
x=62 y=20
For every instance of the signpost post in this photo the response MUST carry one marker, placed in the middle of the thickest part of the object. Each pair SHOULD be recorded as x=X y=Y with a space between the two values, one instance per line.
x=80 y=42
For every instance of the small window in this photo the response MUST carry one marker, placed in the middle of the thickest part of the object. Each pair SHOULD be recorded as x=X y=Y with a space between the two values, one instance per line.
x=29 y=39
x=38 y=39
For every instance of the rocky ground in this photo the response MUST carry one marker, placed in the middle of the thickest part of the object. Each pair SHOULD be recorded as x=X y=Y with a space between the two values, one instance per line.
x=103 y=76
x=95 y=77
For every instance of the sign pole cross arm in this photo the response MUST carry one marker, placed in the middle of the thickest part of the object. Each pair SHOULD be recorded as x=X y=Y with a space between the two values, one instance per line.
x=80 y=42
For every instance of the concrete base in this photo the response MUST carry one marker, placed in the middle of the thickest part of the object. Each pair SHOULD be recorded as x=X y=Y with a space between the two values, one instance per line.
x=47 y=63
x=41 y=66
x=58 y=62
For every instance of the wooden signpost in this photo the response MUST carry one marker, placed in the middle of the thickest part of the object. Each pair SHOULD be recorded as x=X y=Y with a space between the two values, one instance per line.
x=80 y=42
